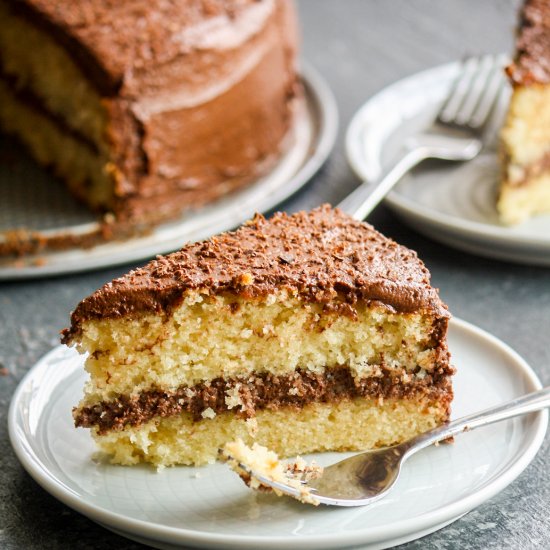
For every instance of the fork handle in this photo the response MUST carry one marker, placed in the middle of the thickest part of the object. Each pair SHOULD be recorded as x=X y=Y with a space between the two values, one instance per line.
x=362 y=201
x=528 y=403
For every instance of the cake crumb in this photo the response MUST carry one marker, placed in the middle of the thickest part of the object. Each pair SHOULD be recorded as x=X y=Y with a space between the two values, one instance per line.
x=421 y=374
x=194 y=298
x=233 y=397
x=246 y=279
x=208 y=413
x=248 y=462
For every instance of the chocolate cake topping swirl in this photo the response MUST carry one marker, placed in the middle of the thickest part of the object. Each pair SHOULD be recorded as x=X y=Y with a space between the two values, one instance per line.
x=532 y=60
x=320 y=255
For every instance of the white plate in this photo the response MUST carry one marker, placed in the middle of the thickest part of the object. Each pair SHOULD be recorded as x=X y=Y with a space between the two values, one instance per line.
x=451 y=202
x=211 y=507
x=311 y=141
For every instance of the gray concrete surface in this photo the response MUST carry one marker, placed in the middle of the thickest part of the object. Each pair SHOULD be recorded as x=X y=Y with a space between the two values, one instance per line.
x=360 y=47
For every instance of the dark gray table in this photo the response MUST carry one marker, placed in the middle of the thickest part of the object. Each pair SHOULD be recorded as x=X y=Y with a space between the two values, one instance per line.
x=360 y=47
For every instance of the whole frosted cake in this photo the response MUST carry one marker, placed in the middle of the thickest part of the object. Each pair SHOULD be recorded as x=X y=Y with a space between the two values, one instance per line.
x=149 y=107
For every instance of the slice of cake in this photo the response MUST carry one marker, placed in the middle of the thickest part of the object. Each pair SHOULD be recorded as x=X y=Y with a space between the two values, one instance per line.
x=309 y=332
x=146 y=108
x=525 y=189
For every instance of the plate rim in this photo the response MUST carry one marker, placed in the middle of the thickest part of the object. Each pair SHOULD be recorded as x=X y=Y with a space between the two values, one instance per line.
x=399 y=202
x=34 y=466
x=319 y=97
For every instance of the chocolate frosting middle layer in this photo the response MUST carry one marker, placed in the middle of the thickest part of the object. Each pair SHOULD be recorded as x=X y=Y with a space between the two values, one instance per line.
x=265 y=391
x=320 y=255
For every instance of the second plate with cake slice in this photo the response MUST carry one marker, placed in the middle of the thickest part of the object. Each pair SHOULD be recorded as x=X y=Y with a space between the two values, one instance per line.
x=454 y=203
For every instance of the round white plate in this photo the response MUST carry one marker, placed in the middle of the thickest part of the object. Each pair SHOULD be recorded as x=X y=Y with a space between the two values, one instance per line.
x=450 y=202
x=211 y=507
x=311 y=141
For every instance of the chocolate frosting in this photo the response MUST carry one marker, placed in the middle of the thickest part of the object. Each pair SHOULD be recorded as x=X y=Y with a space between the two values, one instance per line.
x=131 y=44
x=532 y=60
x=321 y=255
x=265 y=391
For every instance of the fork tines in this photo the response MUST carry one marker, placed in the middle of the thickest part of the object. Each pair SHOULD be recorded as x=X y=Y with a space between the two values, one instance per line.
x=474 y=92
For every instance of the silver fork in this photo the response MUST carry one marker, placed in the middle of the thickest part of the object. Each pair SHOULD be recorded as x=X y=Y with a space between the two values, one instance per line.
x=366 y=477
x=457 y=133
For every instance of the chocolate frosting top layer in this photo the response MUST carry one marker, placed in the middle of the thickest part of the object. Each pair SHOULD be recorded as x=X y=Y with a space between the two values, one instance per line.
x=532 y=60
x=321 y=255
x=129 y=44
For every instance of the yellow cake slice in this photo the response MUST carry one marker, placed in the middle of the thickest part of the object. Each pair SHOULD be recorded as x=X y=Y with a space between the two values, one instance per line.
x=310 y=332
x=525 y=188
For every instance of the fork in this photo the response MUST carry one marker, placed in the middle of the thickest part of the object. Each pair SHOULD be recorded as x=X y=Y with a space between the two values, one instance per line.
x=456 y=134
x=366 y=477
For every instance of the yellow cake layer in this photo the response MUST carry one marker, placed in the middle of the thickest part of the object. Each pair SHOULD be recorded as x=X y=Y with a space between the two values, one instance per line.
x=87 y=174
x=207 y=337
x=517 y=203
x=351 y=425
x=526 y=133
x=525 y=187
x=40 y=65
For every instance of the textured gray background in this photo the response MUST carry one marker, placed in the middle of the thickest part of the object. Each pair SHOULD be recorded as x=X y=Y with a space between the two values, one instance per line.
x=360 y=47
